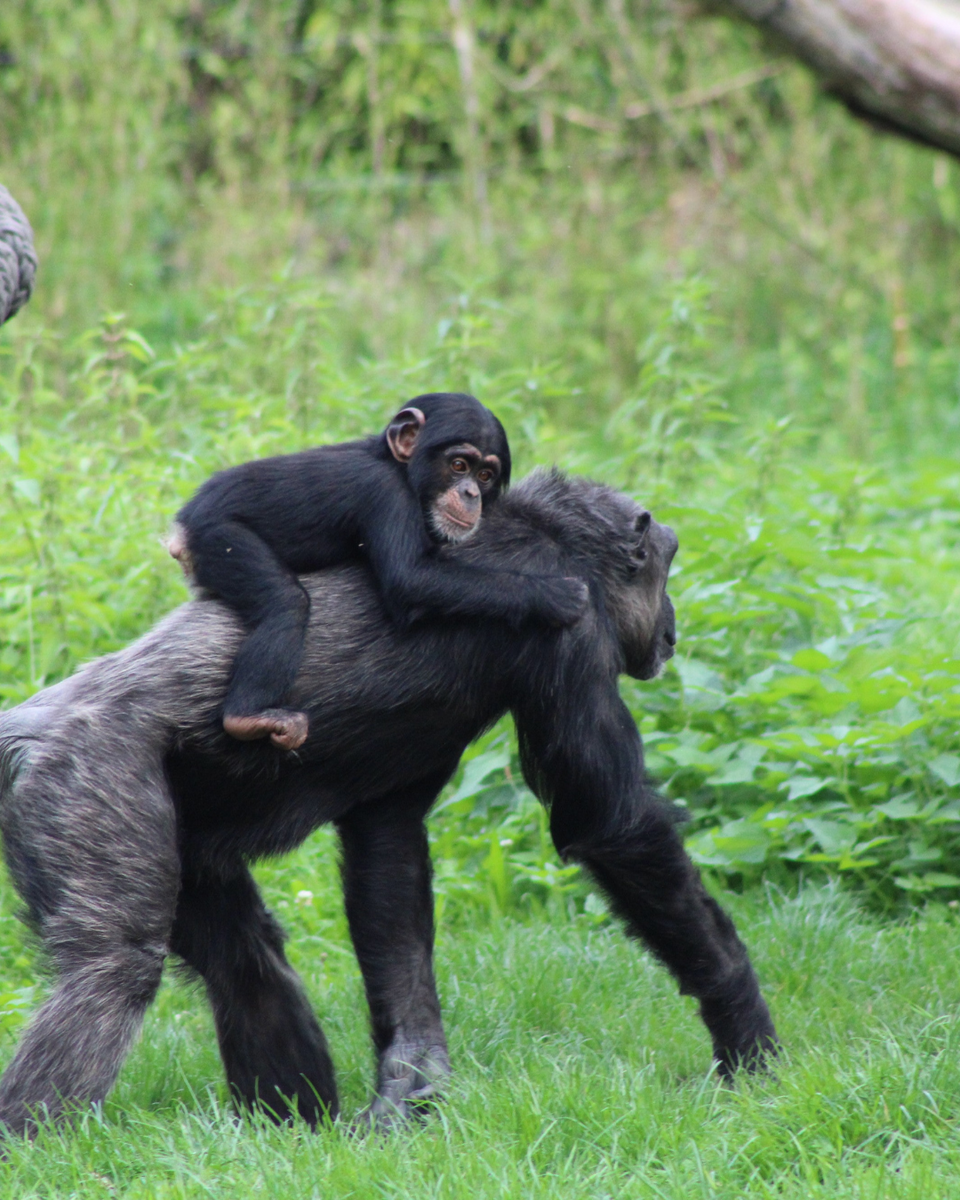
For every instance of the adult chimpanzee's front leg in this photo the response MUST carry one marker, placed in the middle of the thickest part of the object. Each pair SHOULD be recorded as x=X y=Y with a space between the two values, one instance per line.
x=389 y=901
x=588 y=765
x=651 y=882
x=273 y=1049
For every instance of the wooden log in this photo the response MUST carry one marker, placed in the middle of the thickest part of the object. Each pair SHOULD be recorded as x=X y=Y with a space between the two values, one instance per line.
x=896 y=62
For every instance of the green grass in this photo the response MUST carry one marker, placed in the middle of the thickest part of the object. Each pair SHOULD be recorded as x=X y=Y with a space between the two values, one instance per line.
x=579 y=1071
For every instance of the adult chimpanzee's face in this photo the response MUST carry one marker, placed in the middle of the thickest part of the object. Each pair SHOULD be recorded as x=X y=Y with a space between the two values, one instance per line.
x=644 y=611
x=463 y=479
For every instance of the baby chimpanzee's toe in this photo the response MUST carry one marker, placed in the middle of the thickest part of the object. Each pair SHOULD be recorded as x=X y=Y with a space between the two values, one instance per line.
x=286 y=728
x=291 y=732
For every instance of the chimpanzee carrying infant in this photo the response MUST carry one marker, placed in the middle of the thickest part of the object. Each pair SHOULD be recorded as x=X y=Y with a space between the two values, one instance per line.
x=392 y=499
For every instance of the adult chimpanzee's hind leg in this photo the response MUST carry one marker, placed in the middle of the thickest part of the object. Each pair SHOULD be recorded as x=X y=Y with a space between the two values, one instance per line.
x=389 y=901
x=93 y=853
x=75 y=1046
x=651 y=883
x=273 y=1048
x=232 y=561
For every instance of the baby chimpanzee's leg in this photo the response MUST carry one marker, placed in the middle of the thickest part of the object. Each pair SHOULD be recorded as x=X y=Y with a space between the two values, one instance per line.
x=232 y=561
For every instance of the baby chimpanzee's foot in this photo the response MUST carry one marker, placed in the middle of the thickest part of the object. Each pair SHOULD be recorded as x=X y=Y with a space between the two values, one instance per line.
x=285 y=727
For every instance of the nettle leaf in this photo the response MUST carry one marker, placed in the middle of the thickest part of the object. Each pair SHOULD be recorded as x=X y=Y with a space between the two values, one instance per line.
x=691 y=751
x=948 y=814
x=906 y=713
x=941 y=879
x=758 y=682
x=29 y=489
x=947 y=768
x=741 y=769
x=805 y=785
x=873 y=697
x=928 y=882
x=811 y=660
x=900 y=808
x=920 y=852
x=702 y=686
x=474 y=774
x=833 y=836
x=734 y=843
x=734 y=772
x=138 y=347
x=595 y=905
x=705 y=591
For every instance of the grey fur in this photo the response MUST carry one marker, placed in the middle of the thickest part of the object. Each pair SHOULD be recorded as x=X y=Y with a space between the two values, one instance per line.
x=18 y=259
x=129 y=817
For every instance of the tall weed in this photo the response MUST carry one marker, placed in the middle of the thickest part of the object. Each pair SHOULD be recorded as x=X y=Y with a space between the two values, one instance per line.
x=808 y=722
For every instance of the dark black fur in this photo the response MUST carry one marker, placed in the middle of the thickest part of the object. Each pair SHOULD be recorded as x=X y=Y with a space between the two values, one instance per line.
x=129 y=817
x=252 y=529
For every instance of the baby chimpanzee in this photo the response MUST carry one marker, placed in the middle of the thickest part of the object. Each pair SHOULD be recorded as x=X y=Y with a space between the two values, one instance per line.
x=250 y=530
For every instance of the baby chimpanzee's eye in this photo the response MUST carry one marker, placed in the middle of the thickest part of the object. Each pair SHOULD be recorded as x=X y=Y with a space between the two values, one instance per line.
x=485 y=476
x=460 y=465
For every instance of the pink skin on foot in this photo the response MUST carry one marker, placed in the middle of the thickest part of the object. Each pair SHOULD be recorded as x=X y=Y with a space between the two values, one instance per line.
x=285 y=728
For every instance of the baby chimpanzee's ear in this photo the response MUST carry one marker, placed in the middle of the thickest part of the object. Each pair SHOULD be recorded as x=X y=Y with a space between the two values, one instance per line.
x=403 y=431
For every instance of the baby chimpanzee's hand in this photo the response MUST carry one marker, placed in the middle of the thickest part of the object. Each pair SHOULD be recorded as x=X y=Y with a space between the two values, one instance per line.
x=565 y=601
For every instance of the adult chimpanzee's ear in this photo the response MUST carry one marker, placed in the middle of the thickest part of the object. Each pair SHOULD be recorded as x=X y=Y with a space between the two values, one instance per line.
x=403 y=431
x=641 y=526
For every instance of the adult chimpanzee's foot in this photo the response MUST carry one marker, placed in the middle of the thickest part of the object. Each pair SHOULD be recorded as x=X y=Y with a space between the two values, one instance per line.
x=411 y=1076
x=285 y=727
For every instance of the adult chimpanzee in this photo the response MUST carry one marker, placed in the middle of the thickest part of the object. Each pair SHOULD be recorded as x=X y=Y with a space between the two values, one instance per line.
x=391 y=499
x=129 y=816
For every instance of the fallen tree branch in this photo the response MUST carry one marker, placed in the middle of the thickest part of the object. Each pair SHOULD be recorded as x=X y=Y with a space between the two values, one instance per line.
x=896 y=62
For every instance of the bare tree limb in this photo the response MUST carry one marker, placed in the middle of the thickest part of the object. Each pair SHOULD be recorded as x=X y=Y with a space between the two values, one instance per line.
x=464 y=43
x=896 y=62
x=673 y=103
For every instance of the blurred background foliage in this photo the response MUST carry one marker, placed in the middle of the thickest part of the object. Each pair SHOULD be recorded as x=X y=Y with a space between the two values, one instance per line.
x=652 y=245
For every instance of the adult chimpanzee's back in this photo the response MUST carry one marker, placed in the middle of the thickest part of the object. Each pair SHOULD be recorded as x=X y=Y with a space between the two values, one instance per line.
x=129 y=817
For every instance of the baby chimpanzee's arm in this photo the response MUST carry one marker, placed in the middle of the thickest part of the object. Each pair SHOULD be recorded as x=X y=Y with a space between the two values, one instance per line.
x=415 y=582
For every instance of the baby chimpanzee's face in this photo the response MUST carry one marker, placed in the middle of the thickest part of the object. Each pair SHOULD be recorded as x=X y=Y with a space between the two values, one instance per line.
x=464 y=479
x=457 y=458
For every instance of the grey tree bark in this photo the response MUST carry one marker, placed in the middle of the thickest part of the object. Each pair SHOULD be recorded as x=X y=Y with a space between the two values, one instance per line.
x=894 y=61
x=18 y=260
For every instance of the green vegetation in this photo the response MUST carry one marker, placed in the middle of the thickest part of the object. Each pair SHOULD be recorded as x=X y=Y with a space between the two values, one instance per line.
x=666 y=261
x=809 y=721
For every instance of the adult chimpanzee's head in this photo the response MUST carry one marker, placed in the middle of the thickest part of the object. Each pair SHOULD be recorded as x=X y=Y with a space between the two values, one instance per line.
x=643 y=611
x=457 y=457
x=615 y=542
